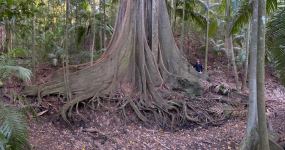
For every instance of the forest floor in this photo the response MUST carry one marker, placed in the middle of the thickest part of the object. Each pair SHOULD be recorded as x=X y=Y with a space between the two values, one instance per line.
x=107 y=130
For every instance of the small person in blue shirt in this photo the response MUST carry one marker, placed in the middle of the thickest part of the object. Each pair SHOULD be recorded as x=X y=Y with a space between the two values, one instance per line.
x=198 y=66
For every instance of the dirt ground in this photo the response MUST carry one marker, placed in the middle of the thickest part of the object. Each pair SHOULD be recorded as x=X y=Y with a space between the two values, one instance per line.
x=106 y=130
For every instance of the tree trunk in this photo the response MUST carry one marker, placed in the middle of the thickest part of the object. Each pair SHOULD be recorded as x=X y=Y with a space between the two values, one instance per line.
x=233 y=62
x=256 y=131
x=66 y=77
x=250 y=141
x=182 y=38
x=244 y=84
x=93 y=31
x=141 y=63
x=103 y=23
x=207 y=38
x=34 y=50
x=9 y=36
x=263 y=133
x=173 y=15
x=229 y=45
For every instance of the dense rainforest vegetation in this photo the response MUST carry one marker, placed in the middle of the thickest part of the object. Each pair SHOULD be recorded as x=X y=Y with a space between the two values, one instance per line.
x=135 y=58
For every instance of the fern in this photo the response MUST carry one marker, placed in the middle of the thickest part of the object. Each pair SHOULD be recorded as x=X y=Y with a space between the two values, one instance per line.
x=13 y=129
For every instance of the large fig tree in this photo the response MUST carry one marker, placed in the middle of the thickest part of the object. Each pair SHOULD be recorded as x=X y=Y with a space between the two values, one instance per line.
x=141 y=64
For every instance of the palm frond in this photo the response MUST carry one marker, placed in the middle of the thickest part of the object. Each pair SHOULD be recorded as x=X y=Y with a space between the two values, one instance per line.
x=271 y=6
x=213 y=27
x=13 y=129
x=242 y=16
x=202 y=4
x=20 y=72
x=197 y=18
x=275 y=38
x=222 y=8
x=244 y=13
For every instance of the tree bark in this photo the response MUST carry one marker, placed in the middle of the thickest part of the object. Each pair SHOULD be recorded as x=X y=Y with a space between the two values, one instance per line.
x=34 y=50
x=245 y=76
x=182 y=38
x=93 y=31
x=251 y=139
x=229 y=45
x=263 y=133
x=207 y=38
x=66 y=77
x=173 y=15
x=9 y=36
x=103 y=23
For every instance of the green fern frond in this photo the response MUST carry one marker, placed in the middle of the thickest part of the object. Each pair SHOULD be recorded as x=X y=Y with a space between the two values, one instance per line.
x=13 y=129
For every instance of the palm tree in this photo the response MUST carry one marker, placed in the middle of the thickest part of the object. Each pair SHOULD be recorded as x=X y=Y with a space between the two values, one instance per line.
x=260 y=75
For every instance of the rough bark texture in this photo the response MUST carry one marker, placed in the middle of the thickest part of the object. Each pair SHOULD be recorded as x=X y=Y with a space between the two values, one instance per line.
x=141 y=63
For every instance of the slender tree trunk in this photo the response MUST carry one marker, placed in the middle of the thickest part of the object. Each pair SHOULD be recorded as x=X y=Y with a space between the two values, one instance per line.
x=34 y=50
x=183 y=28
x=233 y=62
x=66 y=57
x=9 y=36
x=245 y=76
x=229 y=45
x=263 y=133
x=103 y=22
x=250 y=141
x=207 y=38
x=93 y=31
x=173 y=15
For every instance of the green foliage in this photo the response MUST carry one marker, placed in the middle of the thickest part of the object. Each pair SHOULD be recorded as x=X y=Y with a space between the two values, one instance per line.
x=222 y=8
x=9 y=68
x=18 y=53
x=13 y=129
x=242 y=16
x=196 y=10
x=244 y=13
x=275 y=38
